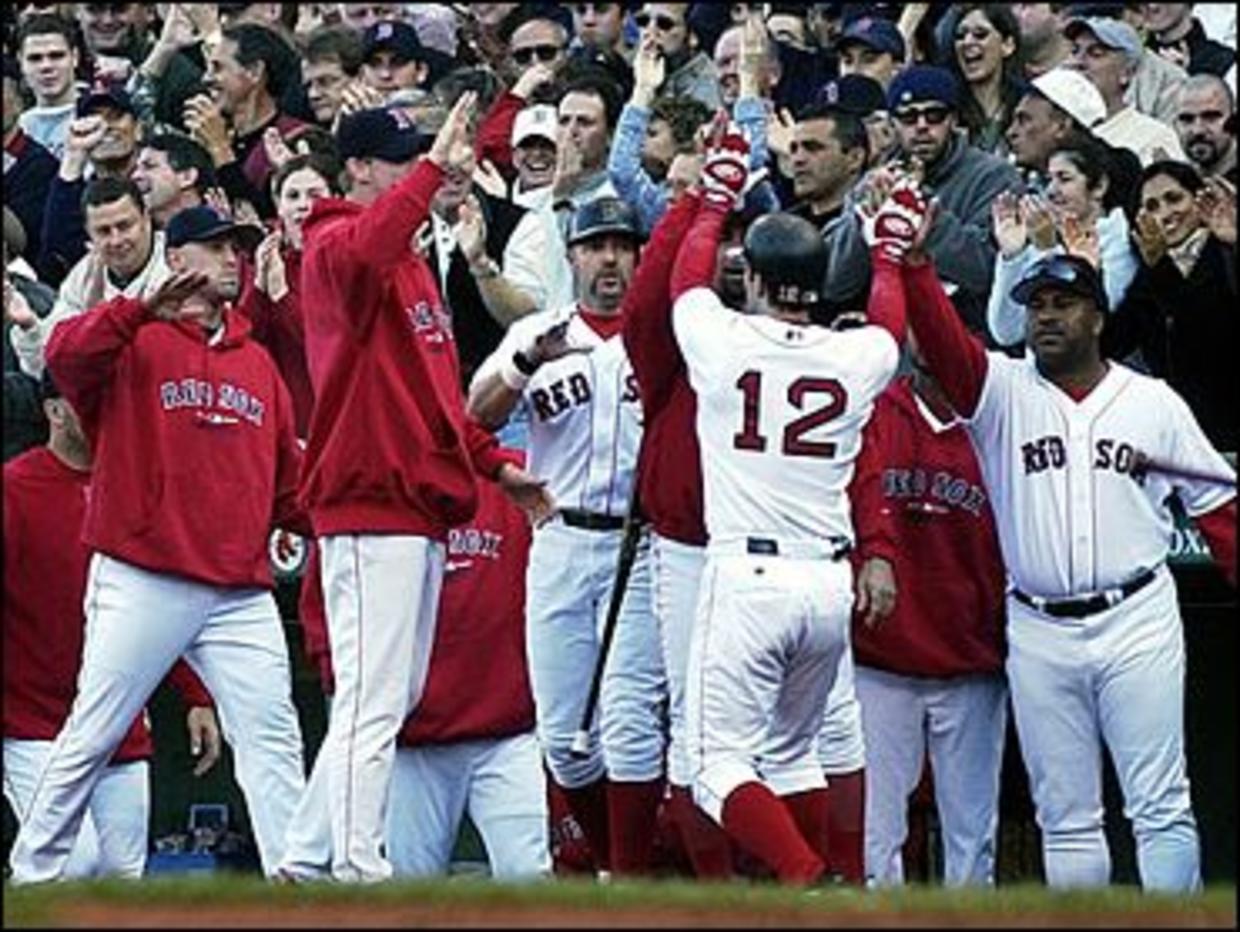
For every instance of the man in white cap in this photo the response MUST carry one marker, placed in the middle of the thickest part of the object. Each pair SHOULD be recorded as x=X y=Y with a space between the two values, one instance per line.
x=534 y=136
x=1108 y=51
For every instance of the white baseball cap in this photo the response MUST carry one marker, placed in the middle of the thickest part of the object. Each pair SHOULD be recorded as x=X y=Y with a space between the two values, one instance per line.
x=538 y=120
x=1073 y=93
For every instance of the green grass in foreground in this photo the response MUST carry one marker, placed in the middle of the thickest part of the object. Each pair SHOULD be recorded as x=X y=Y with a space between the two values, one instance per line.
x=37 y=905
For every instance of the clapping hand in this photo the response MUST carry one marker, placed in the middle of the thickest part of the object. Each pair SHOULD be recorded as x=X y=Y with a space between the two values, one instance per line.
x=1150 y=239
x=1039 y=218
x=1008 y=224
x=1081 y=239
x=1217 y=204
x=269 y=272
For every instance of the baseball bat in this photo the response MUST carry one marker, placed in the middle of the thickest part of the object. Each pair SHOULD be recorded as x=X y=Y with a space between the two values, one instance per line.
x=1180 y=472
x=624 y=567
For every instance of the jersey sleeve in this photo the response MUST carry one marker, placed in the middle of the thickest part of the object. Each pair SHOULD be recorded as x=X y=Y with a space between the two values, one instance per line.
x=1190 y=450
x=955 y=357
x=519 y=334
x=702 y=325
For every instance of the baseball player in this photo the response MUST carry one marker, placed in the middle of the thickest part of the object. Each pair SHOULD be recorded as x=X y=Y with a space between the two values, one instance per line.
x=469 y=745
x=195 y=458
x=570 y=366
x=781 y=405
x=391 y=463
x=1070 y=446
x=930 y=675
x=45 y=492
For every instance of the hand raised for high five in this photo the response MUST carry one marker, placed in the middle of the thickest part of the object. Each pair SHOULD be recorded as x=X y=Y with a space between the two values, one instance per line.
x=725 y=172
x=897 y=224
x=453 y=145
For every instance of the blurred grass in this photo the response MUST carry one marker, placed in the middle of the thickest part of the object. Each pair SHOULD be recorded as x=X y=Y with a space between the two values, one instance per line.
x=28 y=906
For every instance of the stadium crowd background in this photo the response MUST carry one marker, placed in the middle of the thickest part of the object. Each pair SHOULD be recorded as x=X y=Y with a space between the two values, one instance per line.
x=1111 y=124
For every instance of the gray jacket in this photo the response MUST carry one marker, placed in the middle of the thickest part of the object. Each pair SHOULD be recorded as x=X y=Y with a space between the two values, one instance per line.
x=964 y=182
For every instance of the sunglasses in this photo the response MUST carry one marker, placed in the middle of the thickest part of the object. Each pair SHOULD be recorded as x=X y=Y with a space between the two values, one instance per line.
x=661 y=23
x=934 y=116
x=544 y=53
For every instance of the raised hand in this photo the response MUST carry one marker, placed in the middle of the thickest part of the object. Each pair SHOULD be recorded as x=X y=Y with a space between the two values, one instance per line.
x=755 y=42
x=649 y=71
x=84 y=134
x=1217 y=204
x=269 y=272
x=16 y=308
x=891 y=228
x=277 y=150
x=453 y=145
x=357 y=96
x=1151 y=242
x=1008 y=225
x=726 y=169
x=1039 y=220
x=570 y=167
x=471 y=230
x=205 y=122
x=176 y=297
x=488 y=178
x=780 y=125
x=533 y=78
x=1081 y=239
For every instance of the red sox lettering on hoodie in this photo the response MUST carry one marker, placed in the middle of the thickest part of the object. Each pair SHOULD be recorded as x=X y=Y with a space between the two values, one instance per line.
x=195 y=452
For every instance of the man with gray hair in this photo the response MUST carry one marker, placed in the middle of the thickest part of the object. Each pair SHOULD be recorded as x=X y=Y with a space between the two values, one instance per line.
x=1108 y=51
x=1206 y=106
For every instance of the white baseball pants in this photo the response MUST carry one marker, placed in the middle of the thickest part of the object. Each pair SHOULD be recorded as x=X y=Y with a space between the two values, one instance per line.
x=382 y=599
x=113 y=837
x=960 y=721
x=1115 y=677
x=841 y=742
x=677 y=573
x=568 y=587
x=766 y=649
x=500 y=782
x=137 y=624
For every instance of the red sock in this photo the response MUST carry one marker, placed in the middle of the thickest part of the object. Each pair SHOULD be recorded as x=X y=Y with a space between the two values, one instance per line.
x=846 y=826
x=758 y=820
x=589 y=807
x=631 y=812
x=570 y=852
x=705 y=842
x=809 y=811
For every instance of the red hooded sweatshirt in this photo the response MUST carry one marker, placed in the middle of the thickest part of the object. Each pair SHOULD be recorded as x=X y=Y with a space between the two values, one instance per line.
x=194 y=453
x=390 y=448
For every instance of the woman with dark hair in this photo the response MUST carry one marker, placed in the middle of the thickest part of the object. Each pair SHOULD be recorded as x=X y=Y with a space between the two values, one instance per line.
x=986 y=58
x=271 y=297
x=1181 y=309
x=1081 y=215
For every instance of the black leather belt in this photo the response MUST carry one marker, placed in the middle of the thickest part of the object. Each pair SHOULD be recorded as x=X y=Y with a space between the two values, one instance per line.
x=590 y=520
x=1088 y=605
x=767 y=547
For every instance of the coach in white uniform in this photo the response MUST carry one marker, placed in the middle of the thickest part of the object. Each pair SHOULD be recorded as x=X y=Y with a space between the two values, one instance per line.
x=1081 y=456
x=570 y=367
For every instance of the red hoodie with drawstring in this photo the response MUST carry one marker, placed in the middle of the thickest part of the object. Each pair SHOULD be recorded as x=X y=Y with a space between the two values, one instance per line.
x=391 y=450
x=195 y=458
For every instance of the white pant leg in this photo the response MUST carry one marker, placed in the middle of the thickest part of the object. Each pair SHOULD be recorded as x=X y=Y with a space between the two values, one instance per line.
x=308 y=840
x=120 y=808
x=382 y=596
x=1050 y=670
x=508 y=803
x=677 y=570
x=430 y=786
x=967 y=722
x=24 y=760
x=242 y=657
x=841 y=742
x=1141 y=712
x=562 y=644
x=893 y=718
x=766 y=647
x=137 y=624
x=633 y=695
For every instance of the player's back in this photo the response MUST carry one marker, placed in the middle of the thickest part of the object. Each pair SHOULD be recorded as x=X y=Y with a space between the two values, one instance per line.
x=781 y=407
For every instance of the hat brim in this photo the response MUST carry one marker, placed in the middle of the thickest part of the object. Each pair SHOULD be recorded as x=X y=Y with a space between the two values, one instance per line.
x=604 y=229
x=89 y=105
x=247 y=236
x=1025 y=291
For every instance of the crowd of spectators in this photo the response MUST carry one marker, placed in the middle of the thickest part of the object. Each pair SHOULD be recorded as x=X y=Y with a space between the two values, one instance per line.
x=1102 y=130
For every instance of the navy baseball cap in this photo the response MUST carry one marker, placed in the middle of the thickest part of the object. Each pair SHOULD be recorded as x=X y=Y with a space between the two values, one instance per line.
x=1068 y=273
x=853 y=93
x=397 y=37
x=603 y=215
x=923 y=83
x=202 y=224
x=379 y=133
x=875 y=33
x=105 y=94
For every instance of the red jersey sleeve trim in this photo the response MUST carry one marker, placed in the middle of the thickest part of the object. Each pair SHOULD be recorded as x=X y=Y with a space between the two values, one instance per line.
x=695 y=262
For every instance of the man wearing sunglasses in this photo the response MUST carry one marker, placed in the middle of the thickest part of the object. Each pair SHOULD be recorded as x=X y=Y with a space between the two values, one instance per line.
x=1067 y=441
x=690 y=71
x=536 y=34
x=600 y=25
x=964 y=180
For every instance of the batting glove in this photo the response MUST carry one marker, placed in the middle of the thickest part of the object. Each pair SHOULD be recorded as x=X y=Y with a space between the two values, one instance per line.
x=726 y=171
x=893 y=226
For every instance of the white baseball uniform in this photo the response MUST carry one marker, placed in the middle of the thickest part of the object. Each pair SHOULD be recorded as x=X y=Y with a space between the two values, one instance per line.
x=584 y=432
x=780 y=412
x=1099 y=522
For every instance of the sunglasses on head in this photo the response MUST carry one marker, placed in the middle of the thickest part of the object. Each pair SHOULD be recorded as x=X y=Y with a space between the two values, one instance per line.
x=1058 y=268
x=544 y=53
x=933 y=115
x=661 y=23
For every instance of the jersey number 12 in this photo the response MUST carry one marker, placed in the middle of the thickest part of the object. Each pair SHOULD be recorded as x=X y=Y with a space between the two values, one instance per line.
x=750 y=436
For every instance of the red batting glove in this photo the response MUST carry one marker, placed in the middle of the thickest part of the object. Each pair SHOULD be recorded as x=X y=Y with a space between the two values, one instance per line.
x=726 y=169
x=892 y=227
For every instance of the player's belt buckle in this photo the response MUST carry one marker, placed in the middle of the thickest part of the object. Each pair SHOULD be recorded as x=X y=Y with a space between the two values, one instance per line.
x=590 y=520
x=1086 y=605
